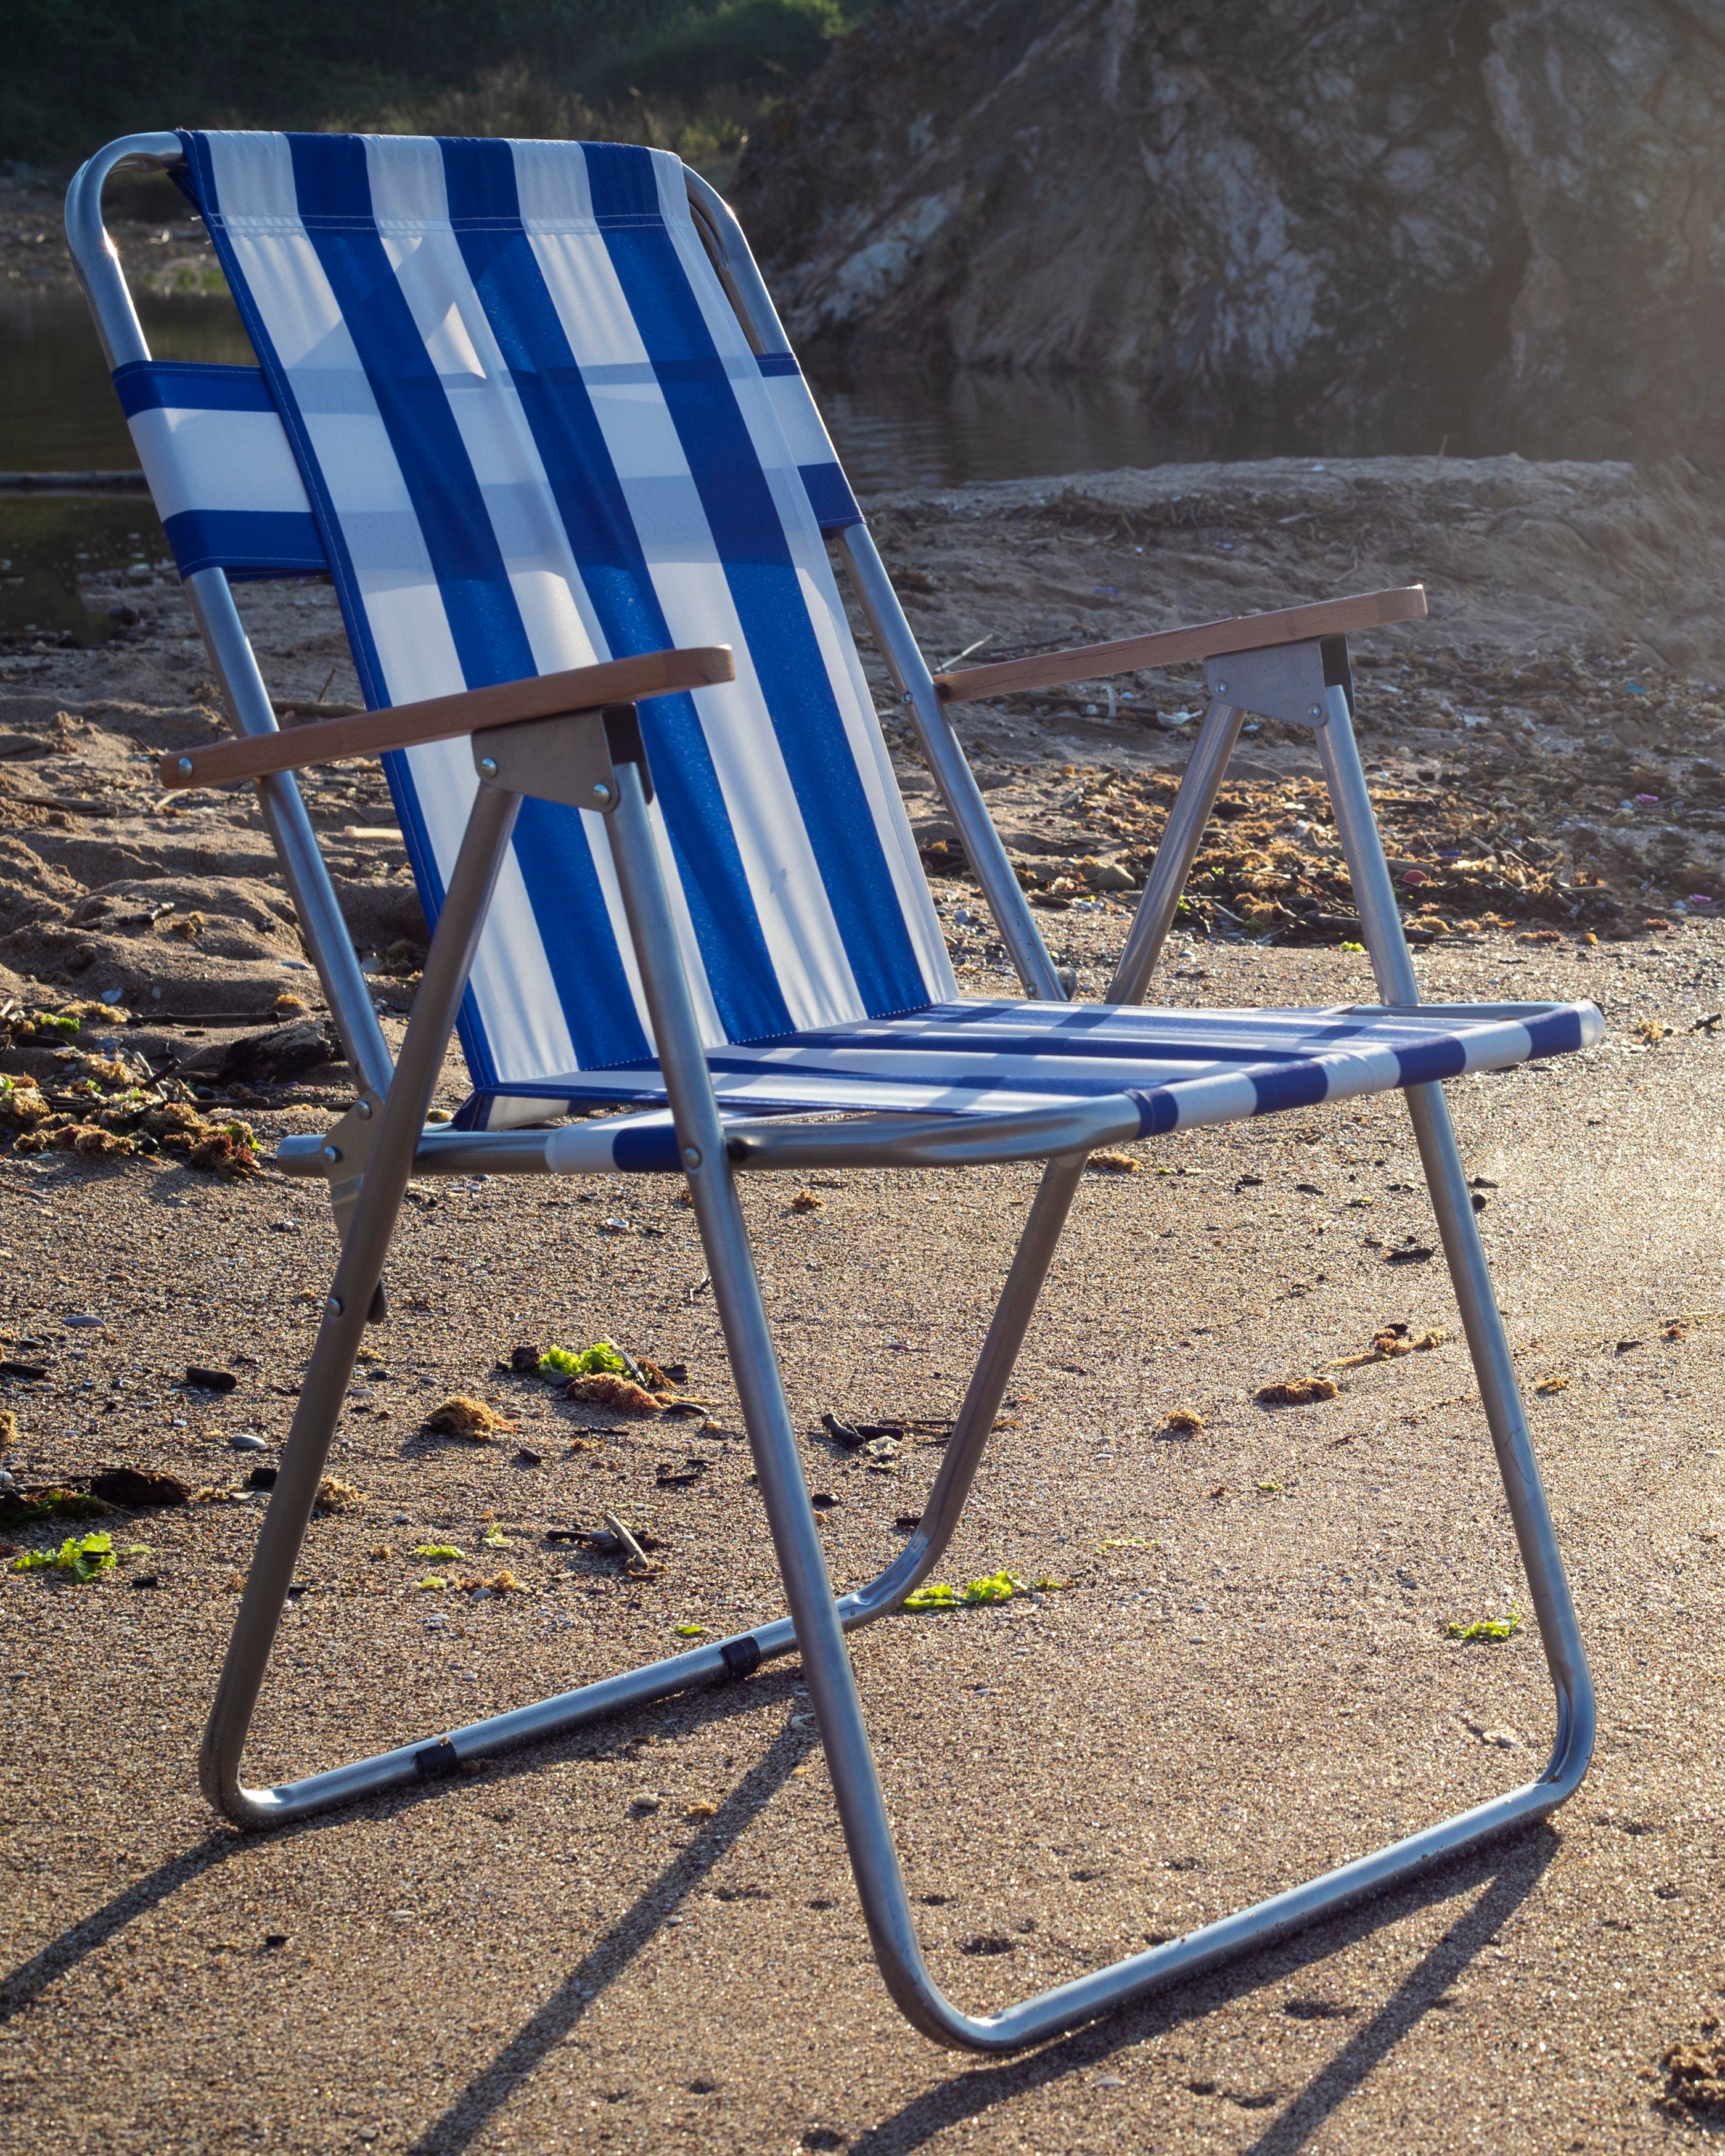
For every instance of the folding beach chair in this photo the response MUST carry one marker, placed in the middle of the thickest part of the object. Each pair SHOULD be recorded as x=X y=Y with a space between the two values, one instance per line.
x=529 y=405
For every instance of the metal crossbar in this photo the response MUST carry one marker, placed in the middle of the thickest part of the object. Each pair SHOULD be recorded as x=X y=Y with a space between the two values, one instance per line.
x=387 y=1142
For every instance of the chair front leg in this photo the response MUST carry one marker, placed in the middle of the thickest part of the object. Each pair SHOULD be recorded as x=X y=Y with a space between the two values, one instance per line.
x=400 y=1118
x=1465 y=1252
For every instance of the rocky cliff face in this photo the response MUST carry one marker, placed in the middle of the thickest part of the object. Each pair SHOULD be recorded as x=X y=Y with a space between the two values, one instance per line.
x=1383 y=220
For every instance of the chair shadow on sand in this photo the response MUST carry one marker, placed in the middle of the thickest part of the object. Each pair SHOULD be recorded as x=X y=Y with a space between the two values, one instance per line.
x=1513 y=1868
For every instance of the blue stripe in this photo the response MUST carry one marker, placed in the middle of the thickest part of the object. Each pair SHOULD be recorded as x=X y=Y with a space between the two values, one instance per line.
x=335 y=199
x=184 y=385
x=757 y=557
x=1124 y=1047
x=650 y=1152
x=249 y=543
x=1158 y=1111
x=1558 y=1033
x=1295 y=1086
x=480 y=177
x=1429 y=1059
x=625 y=187
x=829 y=496
x=778 y=362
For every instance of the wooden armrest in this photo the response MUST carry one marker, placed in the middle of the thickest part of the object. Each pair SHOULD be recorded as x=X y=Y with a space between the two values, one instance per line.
x=1178 y=647
x=438 y=718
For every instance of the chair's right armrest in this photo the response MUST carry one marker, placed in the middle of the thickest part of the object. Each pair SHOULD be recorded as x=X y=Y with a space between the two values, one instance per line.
x=1181 y=647
x=443 y=718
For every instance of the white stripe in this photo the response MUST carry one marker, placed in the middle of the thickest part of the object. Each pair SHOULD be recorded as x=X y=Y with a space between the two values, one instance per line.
x=512 y=978
x=195 y=459
x=800 y=422
x=552 y=188
x=254 y=180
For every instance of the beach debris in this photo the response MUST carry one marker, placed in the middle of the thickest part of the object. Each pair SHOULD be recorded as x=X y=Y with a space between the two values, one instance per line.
x=500 y=1583
x=1551 y=1384
x=261 y=1478
x=336 y=1496
x=1650 y=1031
x=23 y=1508
x=636 y=1561
x=247 y=1440
x=523 y=1360
x=672 y=1476
x=807 y=1201
x=439 y=1553
x=606 y=1375
x=433 y=1584
x=907 y=1523
x=1112 y=1163
x=1297 y=1392
x=689 y=1632
x=278 y=1055
x=1486 y=1629
x=139 y=1489
x=1696 y=2072
x=1409 y=1251
x=864 y=1436
x=82 y=1559
x=469 y=1420
x=1181 y=1422
x=287 y=1004
x=605 y=1388
x=526 y=1457
x=204 y=1380
x=1391 y=1341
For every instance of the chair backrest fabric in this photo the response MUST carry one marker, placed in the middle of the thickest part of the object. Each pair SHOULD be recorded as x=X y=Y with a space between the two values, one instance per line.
x=530 y=433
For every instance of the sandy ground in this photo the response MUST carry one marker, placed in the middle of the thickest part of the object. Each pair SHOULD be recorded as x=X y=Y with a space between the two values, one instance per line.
x=646 y=1939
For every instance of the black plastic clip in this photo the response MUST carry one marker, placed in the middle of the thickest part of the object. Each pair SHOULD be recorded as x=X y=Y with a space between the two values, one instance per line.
x=742 y=1658
x=438 y=1761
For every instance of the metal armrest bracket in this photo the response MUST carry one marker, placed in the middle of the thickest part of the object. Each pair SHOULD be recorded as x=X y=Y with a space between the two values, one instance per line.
x=1287 y=681
x=572 y=759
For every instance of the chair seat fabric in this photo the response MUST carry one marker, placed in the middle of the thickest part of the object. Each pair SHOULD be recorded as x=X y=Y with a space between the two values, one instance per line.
x=1183 y=1067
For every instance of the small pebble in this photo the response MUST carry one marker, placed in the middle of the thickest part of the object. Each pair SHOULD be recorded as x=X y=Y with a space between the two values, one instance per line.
x=246 y=1441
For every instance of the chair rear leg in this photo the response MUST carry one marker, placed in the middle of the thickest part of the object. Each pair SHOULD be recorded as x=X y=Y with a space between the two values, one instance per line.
x=1059 y=1186
x=399 y=1118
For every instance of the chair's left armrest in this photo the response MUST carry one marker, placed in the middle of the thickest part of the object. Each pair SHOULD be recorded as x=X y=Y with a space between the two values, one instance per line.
x=442 y=718
x=1180 y=647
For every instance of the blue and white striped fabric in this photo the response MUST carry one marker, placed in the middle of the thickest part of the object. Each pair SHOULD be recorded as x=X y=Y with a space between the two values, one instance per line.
x=534 y=436
x=1181 y=1068
x=221 y=472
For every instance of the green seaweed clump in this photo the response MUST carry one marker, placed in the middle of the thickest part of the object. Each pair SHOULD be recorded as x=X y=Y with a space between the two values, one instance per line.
x=82 y=1557
x=1487 y=1627
x=992 y=1587
x=562 y=1362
